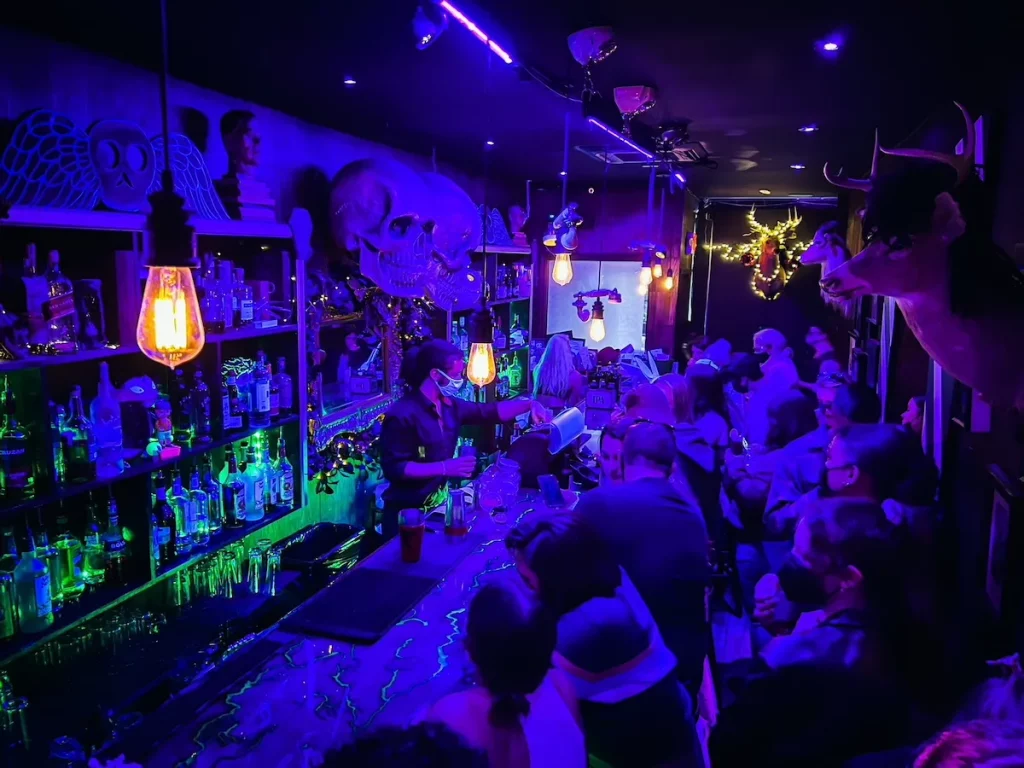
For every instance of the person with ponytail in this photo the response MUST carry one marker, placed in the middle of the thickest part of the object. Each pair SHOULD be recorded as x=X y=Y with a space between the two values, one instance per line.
x=523 y=714
x=420 y=431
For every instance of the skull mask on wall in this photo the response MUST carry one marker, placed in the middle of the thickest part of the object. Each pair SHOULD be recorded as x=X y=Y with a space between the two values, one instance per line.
x=411 y=231
x=123 y=159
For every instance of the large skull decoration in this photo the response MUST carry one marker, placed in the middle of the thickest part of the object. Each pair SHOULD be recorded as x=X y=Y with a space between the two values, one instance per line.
x=123 y=159
x=413 y=232
x=375 y=207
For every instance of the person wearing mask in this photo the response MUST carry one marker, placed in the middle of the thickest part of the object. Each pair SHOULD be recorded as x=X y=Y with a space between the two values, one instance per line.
x=912 y=419
x=523 y=713
x=556 y=382
x=799 y=472
x=778 y=375
x=609 y=459
x=663 y=546
x=635 y=712
x=420 y=431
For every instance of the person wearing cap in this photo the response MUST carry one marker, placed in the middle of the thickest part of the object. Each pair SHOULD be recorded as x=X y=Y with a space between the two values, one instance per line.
x=778 y=374
x=420 y=431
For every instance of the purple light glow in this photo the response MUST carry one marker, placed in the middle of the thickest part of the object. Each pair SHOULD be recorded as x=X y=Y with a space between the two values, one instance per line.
x=808 y=128
x=797 y=166
x=562 y=173
x=489 y=142
x=349 y=82
x=679 y=177
x=478 y=33
x=628 y=142
x=831 y=46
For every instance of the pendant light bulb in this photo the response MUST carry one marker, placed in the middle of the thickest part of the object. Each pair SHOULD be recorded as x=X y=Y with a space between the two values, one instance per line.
x=645 y=275
x=561 y=272
x=170 y=329
x=656 y=270
x=597 y=328
x=480 y=368
x=670 y=280
x=642 y=289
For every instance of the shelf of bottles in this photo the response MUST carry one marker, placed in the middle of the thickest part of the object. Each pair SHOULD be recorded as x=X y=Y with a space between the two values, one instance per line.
x=116 y=472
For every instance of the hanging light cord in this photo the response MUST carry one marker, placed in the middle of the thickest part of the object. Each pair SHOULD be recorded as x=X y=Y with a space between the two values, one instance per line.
x=164 y=76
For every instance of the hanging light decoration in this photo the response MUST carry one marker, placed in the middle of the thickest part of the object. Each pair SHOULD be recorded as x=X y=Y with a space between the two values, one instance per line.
x=597 y=329
x=646 y=271
x=670 y=281
x=656 y=270
x=480 y=369
x=170 y=328
x=561 y=272
x=550 y=238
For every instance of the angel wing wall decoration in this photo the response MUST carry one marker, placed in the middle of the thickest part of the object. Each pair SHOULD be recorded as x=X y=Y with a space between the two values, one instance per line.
x=49 y=162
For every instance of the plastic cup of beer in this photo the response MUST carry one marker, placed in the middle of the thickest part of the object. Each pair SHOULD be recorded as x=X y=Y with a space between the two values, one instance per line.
x=410 y=532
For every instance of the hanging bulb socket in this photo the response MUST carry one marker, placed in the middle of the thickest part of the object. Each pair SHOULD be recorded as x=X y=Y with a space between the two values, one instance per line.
x=597 y=327
x=480 y=368
x=670 y=280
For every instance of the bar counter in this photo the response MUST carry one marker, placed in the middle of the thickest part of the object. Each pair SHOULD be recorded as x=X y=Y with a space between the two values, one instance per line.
x=312 y=694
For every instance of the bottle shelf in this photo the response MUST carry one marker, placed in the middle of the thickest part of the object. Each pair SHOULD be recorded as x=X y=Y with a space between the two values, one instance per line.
x=238 y=334
x=223 y=539
x=46 y=361
x=141 y=466
x=89 y=606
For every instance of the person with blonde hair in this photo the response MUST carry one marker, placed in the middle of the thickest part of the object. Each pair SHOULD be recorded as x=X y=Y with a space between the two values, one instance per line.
x=556 y=382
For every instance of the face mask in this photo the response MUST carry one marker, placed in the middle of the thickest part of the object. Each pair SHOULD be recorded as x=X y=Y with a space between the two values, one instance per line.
x=450 y=387
x=761 y=357
x=800 y=584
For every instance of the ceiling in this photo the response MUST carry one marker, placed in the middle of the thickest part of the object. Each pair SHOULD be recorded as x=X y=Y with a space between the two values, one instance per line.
x=747 y=78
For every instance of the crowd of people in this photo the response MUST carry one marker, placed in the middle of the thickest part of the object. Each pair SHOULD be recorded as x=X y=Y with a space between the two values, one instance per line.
x=735 y=479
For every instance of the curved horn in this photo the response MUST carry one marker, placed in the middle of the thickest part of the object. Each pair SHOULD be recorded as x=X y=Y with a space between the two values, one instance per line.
x=862 y=184
x=962 y=164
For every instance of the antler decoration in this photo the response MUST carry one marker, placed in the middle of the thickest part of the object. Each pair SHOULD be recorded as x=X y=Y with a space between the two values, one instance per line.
x=862 y=184
x=962 y=164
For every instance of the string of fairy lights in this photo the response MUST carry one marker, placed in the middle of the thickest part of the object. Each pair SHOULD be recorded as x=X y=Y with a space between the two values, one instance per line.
x=787 y=253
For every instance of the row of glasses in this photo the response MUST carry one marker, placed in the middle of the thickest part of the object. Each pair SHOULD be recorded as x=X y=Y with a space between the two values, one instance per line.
x=108 y=633
x=222 y=574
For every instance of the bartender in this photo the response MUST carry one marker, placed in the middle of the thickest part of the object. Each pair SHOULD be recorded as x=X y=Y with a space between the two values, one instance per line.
x=420 y=431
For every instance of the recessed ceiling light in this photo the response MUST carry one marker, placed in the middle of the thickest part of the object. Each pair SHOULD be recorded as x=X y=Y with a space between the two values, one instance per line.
x=562 y=173
x=765 y=191
x=489 y=142
x=798 y=166
x=808 y=128
x=349 y=82
x=831 y=46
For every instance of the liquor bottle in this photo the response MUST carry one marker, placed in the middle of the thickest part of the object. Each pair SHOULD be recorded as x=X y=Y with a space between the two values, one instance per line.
x=260 y=415
x=181 y=502
x=225 y=285
x=164 y=526
x=201 y=407
x=255 y=482
x=213 y=498
x=58 y=420
x=275 y=397
x=233 y=490
x=455 y=333
x=50 y=555
x=515 y=375
x=114 y=545
x=9 y=552
x=500 y=339
x=106 y=420
x=245 y=298
x=80 y=442
x=243 y=450
x=233 y=412
x=271 y=483
x=16 y=477
x=463 y=336
x=286 y=475
x=181 y=408
x=32 y=590
x=284 y=384
x=502 y=283
x=200 y=509
x=94 y=566
x=59 y=309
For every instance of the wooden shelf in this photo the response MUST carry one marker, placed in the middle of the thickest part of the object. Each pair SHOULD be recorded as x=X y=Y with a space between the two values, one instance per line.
x=110 y=221
x=141 y=466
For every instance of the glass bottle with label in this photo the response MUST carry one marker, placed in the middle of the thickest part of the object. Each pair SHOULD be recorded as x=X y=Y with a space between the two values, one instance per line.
x=286 y=476
x=260 y=415
x=233 y=412
x=16 y=477
x=181 y=408
x=271 y=481
x=80 y=442
x=200 y=510
x=94 y=566
x=182 y=504
x=114 y=545
x=50 y=555
x=9 y=551
x=32 y=591
x=255 y=493
x=58 y=420
x=213 y=497
x=275 y=396
x=244 y=294
x=59 y=309
x=164 y=525
x=284 y=385
x=201 y=407
x=232 y=493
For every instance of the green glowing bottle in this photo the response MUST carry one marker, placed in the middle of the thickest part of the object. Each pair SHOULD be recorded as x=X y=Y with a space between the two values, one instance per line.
x=32 y=591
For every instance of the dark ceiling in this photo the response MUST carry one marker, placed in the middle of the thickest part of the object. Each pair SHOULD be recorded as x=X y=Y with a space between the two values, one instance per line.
x=747 y=77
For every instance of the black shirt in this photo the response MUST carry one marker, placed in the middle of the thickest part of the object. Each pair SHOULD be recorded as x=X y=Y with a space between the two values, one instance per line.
x=414 y=430
x=660 y=539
